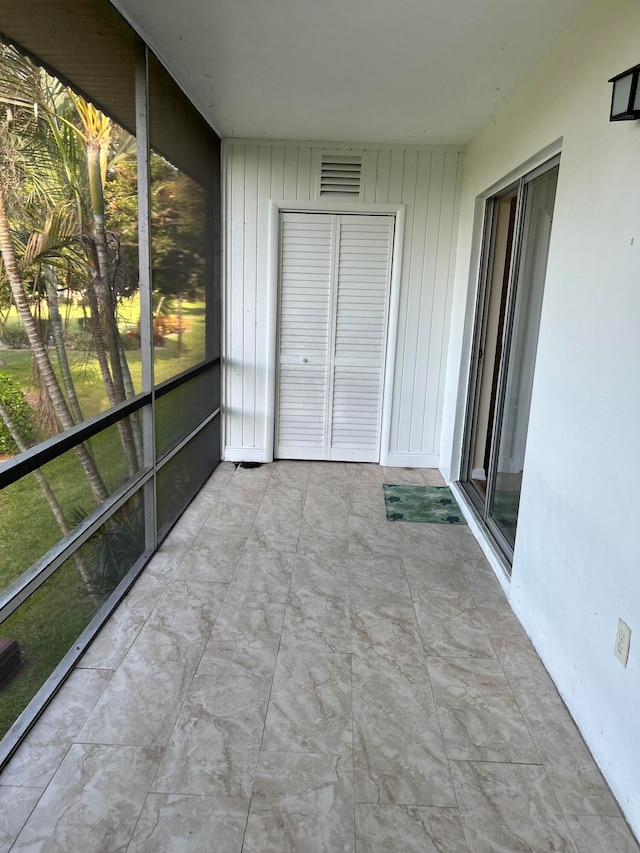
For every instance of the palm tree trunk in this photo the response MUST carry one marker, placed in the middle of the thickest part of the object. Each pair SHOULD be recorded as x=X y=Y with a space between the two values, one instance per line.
x=41 y=355
x=98 y=340
x=103 y=287
x=106 y=300
x=61 y=350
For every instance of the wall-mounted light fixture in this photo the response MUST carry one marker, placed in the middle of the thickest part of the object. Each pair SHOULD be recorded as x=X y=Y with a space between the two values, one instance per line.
x=625 y=101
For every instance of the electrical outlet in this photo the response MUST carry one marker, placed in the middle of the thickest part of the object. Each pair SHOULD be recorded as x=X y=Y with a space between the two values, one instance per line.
x=623 y=640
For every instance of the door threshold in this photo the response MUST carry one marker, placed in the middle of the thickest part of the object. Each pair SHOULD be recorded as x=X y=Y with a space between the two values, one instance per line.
x=496 y=559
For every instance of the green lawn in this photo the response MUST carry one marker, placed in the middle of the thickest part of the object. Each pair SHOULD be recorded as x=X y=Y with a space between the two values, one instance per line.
x=49 y=622
x=85 y=369
x=45 y=626
x=23 y=503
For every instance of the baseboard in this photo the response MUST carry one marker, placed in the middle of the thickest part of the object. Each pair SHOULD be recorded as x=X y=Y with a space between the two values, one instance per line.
x=245 y=454
x=392 y=460
x=410 y=460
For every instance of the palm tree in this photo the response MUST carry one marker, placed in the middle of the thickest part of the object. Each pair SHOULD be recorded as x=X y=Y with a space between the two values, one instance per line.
x=95 y=131
x=73 y=141
x=40 y=352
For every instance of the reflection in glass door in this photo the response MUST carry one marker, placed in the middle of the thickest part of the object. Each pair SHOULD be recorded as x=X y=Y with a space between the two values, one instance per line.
x=518 y=230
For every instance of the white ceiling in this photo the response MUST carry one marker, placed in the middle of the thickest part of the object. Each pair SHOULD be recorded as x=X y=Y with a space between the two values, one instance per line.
x=412 y=71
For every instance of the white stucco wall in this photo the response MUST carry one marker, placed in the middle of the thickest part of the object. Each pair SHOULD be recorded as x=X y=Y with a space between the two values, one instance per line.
x=577 y=557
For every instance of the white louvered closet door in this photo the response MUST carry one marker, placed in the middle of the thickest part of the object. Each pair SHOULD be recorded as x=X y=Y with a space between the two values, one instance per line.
x=334 y=297
x=306 y=271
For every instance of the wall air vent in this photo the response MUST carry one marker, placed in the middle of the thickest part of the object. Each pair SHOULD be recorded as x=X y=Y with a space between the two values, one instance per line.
x=340 y=176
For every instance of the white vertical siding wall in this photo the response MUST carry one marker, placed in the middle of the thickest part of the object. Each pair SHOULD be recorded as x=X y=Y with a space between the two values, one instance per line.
x=426 y=182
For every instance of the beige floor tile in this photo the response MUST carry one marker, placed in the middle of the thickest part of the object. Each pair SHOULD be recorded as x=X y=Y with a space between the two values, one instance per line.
x=46 y=745
x=399 y=755
x=254 y=478
x=247 y=623
x=185 y=614
x=386 y=630
x=367 y=504
x=116 y=637
x=520 y=663
x=261 y=577
x=291 y=474
x=301 y=802
x=509 y=807
x=450 y=626
x=319 y=575
x=209 y=565
x=316 y=623
x=499 y=619
x=214 y=746
x=277 y=524
x=361 y=474
x=218 y=539
x=326 y=514
x=438 y=575
x=432 y=477
x=574 y=776
x=368 y=536
x=321 y=546
x=599 y=834
x=181 y=822
x=142 y=701
x=220 y=477
x=374 y=579
x=374 y=663
x=403 y=476
x=310 y=704
x=185 y=530
x=480 y=718
x=16 y=806
x=483 y=586
x=93 y=801
x=388 y=571
x=410 y=829
x=326 y=487
x=465 y=547
x=33 y=765
x=270 y=669
x=423 y=541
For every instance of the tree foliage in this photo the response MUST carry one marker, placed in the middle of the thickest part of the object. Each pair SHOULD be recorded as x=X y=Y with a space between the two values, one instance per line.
x=18 y=410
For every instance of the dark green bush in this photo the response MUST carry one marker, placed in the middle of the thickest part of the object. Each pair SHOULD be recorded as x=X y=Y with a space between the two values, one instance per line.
x=79 y=339
x=19 y=412
x=15 y=337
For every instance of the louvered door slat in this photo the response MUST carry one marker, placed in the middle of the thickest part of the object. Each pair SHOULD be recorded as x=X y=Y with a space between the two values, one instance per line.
x=334 y=295
x=364 y=267
x=305 y=289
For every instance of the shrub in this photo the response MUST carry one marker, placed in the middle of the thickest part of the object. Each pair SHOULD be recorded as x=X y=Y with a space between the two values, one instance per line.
x=130 y=339
x=79 y=339
x=19 y=411
x=15 y=337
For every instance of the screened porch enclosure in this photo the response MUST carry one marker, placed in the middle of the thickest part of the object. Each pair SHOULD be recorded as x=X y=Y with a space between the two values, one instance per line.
x=110 y=331
x=160 y=334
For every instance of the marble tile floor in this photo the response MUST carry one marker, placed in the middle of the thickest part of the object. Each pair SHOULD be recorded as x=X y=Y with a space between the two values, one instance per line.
x=293 y=672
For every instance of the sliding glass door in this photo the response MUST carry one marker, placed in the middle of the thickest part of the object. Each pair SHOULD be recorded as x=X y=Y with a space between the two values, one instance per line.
x=516 y=243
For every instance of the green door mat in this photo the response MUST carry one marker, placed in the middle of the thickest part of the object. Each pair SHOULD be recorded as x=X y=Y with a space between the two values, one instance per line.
x=434 y=504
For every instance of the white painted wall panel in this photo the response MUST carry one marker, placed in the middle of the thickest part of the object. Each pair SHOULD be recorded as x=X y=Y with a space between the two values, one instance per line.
x=575 y=568
x=427 y=182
